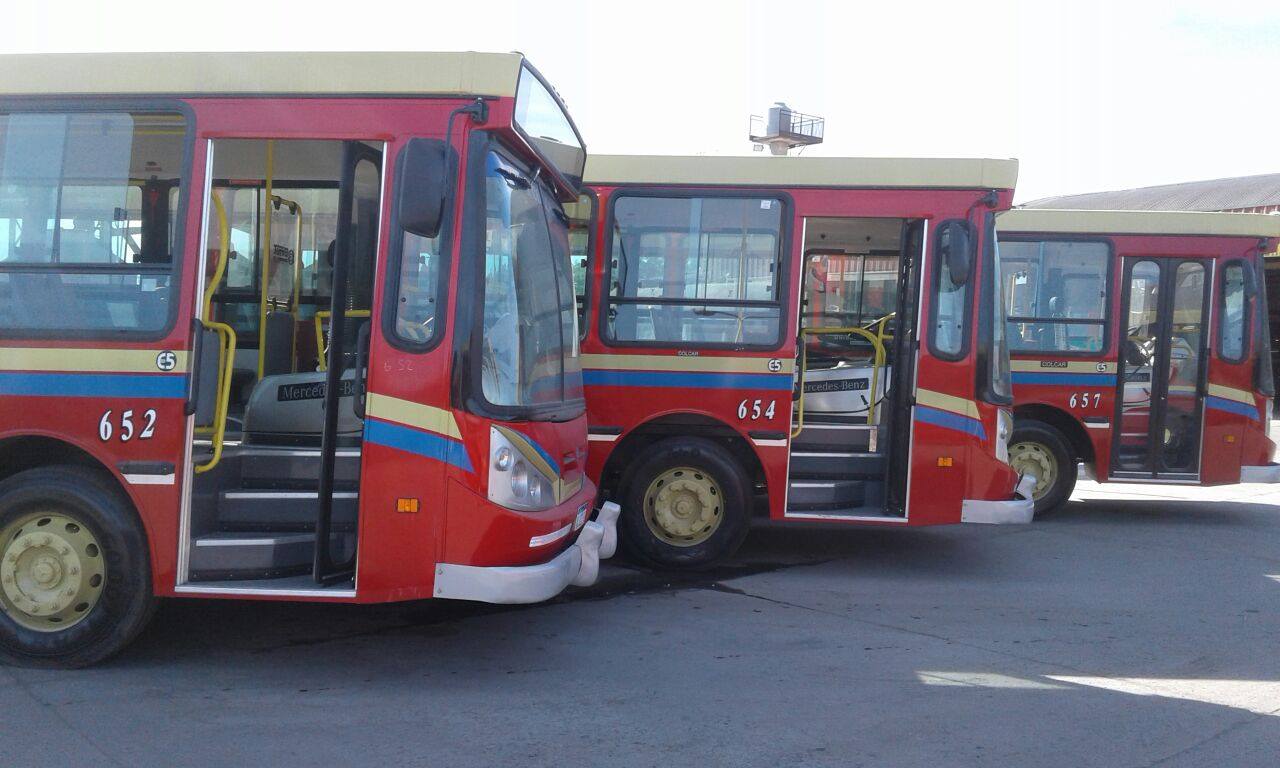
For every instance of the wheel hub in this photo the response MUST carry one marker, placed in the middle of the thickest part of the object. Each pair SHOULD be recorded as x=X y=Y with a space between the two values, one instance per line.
x=1037 y=460
x=683 y=506
x=51 y=572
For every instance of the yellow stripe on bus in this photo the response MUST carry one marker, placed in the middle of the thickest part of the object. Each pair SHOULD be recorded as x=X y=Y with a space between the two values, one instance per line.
x=412 y=414
x=1061 y=366
x=83 y=360
x=1231 y=393
x=695 y=363
x=945 y=402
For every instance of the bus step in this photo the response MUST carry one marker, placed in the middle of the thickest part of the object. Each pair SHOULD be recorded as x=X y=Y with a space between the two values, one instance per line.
x=274 y=510
x=286 y=467
x=250 y=555
x=846 y=465
x=820 y=436
x=816 y=495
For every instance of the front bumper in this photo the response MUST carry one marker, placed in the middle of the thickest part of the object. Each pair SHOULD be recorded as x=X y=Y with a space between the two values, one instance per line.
x=1267 y=473
x=1020 y=509
x=578 y=565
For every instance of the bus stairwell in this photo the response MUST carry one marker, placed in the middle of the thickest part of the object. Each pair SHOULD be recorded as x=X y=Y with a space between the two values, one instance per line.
x=279 y=436
x=844 y=399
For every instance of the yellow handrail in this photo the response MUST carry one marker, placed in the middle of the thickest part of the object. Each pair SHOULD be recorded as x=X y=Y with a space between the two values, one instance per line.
x=224 y=235
x=226 y=354
x=876 y=365
x=321 y=347
x=226 y=342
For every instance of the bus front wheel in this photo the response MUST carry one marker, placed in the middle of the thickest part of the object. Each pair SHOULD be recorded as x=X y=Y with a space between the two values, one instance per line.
x=1041 y=450
x=685 y=505
x=75 y=575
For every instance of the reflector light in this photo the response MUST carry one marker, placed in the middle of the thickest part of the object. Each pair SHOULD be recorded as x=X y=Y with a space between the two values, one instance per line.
x=407 y=505
x=945 y=461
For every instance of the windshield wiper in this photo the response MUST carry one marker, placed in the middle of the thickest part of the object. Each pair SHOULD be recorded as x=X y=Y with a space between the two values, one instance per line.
x=514 y=179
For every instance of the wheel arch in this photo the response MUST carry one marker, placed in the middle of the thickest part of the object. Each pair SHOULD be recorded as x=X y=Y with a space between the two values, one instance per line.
x=679 y=424
x=1066 y=424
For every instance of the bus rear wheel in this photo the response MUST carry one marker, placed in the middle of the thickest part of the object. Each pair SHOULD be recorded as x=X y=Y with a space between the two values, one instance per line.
x=685 y=506
x=75 y=576
x=1039 y=449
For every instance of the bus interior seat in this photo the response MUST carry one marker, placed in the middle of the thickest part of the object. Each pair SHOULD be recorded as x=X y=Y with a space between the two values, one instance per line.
x=278 y=344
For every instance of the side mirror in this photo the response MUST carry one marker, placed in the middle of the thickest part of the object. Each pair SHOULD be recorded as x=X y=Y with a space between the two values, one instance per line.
x=422 y=173
x=955 y=248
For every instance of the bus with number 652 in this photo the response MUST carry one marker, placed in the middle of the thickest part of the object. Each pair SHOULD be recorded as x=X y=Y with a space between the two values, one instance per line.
x=284 y=327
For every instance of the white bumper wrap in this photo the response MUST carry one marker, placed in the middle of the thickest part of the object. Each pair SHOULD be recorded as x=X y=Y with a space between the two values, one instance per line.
x=1269 y=473
x=578 y=565
x=1019 y=509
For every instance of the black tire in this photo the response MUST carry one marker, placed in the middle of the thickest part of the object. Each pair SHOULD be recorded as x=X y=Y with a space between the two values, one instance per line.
x=126 y=602
x=643 y=545
x=1055 y=443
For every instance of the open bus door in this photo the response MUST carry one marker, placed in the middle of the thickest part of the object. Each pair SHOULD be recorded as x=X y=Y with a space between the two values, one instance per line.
x=906 y=349
x=357 y=231
x=1161 y=386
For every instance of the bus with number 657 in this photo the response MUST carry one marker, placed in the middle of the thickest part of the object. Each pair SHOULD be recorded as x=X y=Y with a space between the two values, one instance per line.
x=284 y=327
x=1140 y=347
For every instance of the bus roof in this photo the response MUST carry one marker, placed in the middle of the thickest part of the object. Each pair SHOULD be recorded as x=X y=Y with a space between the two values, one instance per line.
x=463 y=74
x=876 y=172
x=1049 y=220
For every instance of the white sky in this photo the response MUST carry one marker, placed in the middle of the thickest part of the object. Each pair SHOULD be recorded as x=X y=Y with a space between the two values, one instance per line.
x=1088 y=95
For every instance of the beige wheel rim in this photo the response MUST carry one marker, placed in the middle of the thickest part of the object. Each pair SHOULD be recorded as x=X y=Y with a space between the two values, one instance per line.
x=1037 y=460
x=51 y=571
x=683 y=506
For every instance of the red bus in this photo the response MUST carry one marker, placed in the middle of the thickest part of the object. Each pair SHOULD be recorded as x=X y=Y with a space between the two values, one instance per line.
x=1140 y=346
x=793 y=340
x=284 y=326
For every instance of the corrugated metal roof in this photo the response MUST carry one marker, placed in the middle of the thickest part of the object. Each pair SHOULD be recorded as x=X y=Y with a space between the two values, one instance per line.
x=1212 y=195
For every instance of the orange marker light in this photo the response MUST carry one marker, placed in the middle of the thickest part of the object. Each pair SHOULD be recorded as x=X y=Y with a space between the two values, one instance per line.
x=945 y=461
x=1230 y=438
x=407 y=505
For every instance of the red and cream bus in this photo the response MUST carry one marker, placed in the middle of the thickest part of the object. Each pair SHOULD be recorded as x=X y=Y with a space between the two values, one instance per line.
x=284 y=326
x=1139 y=347
x=793 y=340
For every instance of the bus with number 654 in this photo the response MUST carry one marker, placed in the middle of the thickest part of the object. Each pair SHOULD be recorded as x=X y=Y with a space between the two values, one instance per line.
x=284 y=327
x=793 y=340
x=1140 y=347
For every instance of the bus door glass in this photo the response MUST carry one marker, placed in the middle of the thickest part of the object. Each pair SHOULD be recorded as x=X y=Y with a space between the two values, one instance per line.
x=1161 y=382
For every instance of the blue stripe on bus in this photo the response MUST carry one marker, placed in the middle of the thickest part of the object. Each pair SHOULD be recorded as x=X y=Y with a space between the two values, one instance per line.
x=92 y=385
x=1067 y=379
x=687 y=379
x=555 y=465
x=1231 y=406
x=417 y=442
x=949 y=420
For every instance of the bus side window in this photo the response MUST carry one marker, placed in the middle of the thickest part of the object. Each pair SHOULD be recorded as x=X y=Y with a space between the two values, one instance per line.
x=1234 y=314
x=951 y=295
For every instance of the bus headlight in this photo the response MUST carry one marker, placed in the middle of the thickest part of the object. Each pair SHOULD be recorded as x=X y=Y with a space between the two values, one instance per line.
x=1004 y=431
x=514 y=482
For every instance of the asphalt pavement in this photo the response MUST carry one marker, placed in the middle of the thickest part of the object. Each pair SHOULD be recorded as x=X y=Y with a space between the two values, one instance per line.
x=1138 y=626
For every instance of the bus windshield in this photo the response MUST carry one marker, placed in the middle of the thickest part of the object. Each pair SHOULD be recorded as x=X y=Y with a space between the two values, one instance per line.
x=530 y=339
